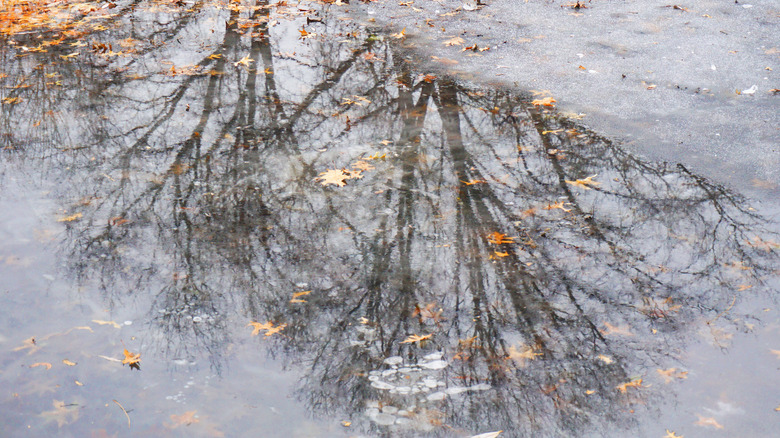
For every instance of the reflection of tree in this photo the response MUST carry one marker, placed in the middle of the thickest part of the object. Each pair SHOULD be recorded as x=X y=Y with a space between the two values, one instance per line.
x=201 y=195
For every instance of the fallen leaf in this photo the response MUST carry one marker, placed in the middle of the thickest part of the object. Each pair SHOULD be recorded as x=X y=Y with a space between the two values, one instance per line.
x=523 y=354
x=707 y=421
x=547 y=101
x=61 y=413
x=41 y=364
x=585 y=183
x=488 y=434
x=134 y=360
x=70 y=218
x=670 y=434
x=416 y=338
x=244 y=61
x=455 y=41
x=670 y=374
x=184 y=419
x=606 y=359
x=267 y=326
x=68 y=363
x=623 y=387
x=558 y=205
x=111 y=323
x=337 y=177
x=611 y=329
x=296 y=295
x=497 y=238
x=399 y=35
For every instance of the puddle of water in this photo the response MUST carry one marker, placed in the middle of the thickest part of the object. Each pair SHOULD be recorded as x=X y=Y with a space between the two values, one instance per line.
x=418 y=256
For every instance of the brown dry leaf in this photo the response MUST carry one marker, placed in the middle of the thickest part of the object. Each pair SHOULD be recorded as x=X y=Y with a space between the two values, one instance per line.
x=41 y=364
x=267 y=326
x=11 y=100
x=497 y=238
x=399 y=35
x=416 y=338
x=707 y=421
x=585 y=183
x=134 y=360
x=63 y=414
x=362 y=166
x=471 y=182
x=623 y=387
x=670 y=374
x=547 y=101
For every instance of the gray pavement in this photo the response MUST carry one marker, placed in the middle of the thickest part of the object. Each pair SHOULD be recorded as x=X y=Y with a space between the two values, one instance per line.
x=681 y=82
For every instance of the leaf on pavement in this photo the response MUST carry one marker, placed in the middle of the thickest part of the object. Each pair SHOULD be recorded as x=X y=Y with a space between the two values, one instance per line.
x=415 y=338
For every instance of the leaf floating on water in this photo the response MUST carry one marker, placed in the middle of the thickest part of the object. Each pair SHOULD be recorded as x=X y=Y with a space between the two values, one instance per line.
x=415 y=338
x=670 y=434
x=267 y=326
x=606 y=359
x=184 y=419
x=585 y=183
x=134 y=360
x=488 y=434
x=68 y=363
x=707 y=422
x=63 y=414
x=337 y=177
x=295 y=296
x=497 y=238
x=547 y=101
x=672 y=373
x=623 y=387
x=70 y=218
x=41 y=364
x=111 y=323
x=612 y=330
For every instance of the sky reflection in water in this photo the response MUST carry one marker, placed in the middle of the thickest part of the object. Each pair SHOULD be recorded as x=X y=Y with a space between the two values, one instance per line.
x=555 y=278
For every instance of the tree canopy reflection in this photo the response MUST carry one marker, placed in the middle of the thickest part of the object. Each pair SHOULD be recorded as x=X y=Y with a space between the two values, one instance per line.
x=544 y=295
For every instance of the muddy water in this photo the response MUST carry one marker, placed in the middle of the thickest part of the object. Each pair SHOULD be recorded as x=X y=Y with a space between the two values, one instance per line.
x=309 y=235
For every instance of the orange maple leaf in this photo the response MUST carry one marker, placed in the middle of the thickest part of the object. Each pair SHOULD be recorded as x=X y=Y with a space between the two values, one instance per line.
x=497 y=238
x=338 y=176
x=267 y=326
x=134 y=360
x=547 y=101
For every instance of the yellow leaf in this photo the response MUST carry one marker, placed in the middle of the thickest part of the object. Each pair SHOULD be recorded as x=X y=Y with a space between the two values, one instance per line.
x=111 y=323
x=707 y=421
x=670 y=434
x=416 y=338
x=41 y=364
x=455 y=41
x=606 y=359
x=134 y=360
x=547 y=101
x=585 y=183
x=70 y=218
x=623 y=387
x=399 y=35
x=611 y=329
x=267 y=326
x=68 y=363
x=672 y=373
x=244 y=61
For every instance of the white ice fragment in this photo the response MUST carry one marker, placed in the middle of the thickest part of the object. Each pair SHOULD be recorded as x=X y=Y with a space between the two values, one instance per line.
x=404 y=389
x=373 y=378
x=383 y=419
x=712 y=67
x=455 y=390
x=372 y=404
x=434 y=356
x=430 y=383
x=48 y=277
x=751 y=90
x=435 y=365
x=402 y=421
x=436 y=396
x=394 y=360
x=480 y=387
x=390 y=409
x=386 y=373
x=128 y=323
x=405 y=370
x=378 y=384
x=197 y=319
